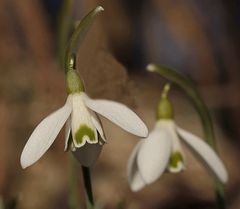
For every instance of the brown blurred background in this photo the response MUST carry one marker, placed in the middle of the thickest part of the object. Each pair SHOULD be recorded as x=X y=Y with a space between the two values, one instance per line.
x=197 y=38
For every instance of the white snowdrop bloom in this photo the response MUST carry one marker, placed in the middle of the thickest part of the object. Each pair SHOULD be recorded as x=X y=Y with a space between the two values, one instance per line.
x=162 y=151
x=79 y=114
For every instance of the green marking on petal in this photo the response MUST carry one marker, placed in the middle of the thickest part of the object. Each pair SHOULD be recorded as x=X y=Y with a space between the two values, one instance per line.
x=175 y=158
x=84 y=130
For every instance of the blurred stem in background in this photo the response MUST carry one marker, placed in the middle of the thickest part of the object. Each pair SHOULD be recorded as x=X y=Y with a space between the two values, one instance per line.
x=189 y=88
x=1 y=203
x=63 y=28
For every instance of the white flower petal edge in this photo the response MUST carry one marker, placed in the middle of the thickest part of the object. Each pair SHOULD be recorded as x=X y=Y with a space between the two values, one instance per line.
x=67 y=133
x=206 y=154
x=135 y=179
x=153 y=155
x=170 y=127
x=88 y=154
x=118 y=114
x=96 y=122
x=45 y=134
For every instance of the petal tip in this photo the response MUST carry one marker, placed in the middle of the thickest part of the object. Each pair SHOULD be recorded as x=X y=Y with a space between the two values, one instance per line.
x=224 y=176
x=149 y=178
x=23 y=167
x=99 y=9
x=136 y=184
x=144 y=132
x=150 y=68
x=135 y=188
x=23 y=163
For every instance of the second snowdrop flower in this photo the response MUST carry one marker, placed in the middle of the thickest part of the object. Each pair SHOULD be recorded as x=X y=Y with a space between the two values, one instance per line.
x=162 y=151
x=79 y=114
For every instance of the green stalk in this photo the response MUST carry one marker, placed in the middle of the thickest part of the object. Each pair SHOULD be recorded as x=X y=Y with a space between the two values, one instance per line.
x=70 y=63
x=73 y=201
x=189 y=88
x=88 y=187
x=63 y=28
x=79 y=34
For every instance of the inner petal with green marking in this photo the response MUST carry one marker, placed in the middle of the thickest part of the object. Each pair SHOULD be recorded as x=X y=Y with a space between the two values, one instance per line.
x=176 y=162
x=85 y=133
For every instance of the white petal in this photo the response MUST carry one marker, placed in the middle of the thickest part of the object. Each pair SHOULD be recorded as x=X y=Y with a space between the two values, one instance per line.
x=153 y=155
x=135 y=180
x=118 y=114
x=97 y=123
x=88 y=154
x=170 y=126
x=206 y=154
x=82 y=123
x=67 y=133
x=45 y=134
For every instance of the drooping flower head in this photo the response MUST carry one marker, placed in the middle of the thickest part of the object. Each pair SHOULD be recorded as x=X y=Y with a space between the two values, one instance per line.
x=162 y=150
x=84 y=135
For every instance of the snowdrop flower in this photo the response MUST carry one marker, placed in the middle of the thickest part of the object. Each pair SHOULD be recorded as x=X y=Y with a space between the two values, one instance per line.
x=82 y=123
x=162 y=151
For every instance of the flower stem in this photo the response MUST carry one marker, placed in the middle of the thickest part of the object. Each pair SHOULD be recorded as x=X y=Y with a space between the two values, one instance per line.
x=79 y=34
x=88 y=187
x=189 y=88
x=220 y=199
x=70 y=62
x=166 y=89
x=73 y=184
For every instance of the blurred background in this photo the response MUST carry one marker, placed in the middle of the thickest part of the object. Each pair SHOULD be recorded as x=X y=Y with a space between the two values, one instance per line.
x=197 y=38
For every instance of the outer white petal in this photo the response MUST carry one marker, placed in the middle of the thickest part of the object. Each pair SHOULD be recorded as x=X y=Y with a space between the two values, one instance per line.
x=88 y=154
x=118 y=114
x=45 y=134
x=153 y=155
x=206 y=154
x=97 y=123
x=170 y=127
x=67 y=133
x=135 y=180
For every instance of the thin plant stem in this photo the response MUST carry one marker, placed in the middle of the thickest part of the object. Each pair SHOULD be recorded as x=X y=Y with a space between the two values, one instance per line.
x=190 y=90
x=166 y=89
x=79 y=34
x=88 y=187
x=70 y=63
x=73 y=184
x=63 y=28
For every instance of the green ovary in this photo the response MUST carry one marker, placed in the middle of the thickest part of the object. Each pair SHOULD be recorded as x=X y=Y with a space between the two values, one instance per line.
x=175 y=158
x=84 y=130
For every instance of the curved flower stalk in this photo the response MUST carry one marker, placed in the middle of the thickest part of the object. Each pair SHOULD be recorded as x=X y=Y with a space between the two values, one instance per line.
x=193 y=95
x=162 y=151
x=80 y=115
